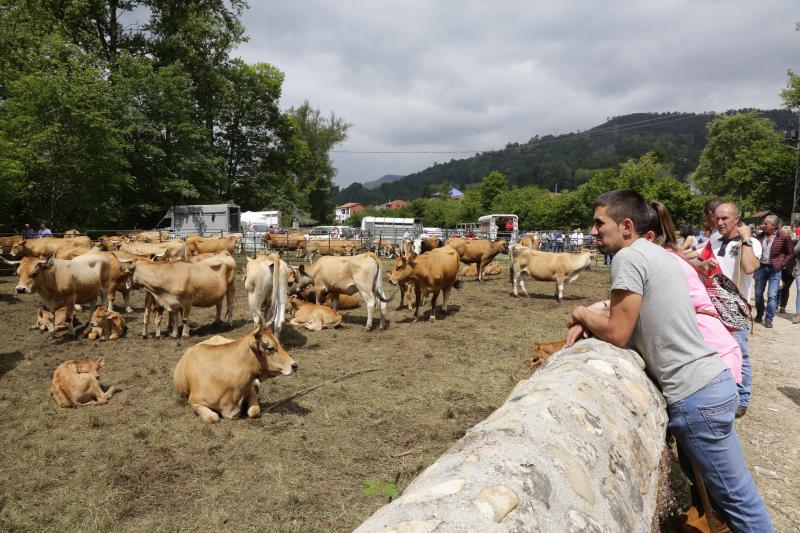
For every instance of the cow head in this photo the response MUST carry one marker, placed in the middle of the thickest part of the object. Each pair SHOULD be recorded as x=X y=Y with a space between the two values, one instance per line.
x=272 y=358
x=29 y=269
x=503 y=244
x=403 y=267
x=301 y=280
x=21 y=249
x=89 y=366
x=99 y=316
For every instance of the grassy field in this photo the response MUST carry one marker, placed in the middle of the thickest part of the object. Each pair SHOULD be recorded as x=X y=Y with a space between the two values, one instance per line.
x=144 y=462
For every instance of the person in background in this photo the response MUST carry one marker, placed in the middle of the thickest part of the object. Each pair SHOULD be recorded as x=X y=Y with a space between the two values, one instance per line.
x=797 y=230
x=735 y=253
x=709 y=223
x=651 y=309
x=787 y=275
x=777 y=252
x=689 y=243
x=44 y=231
x=796 y=274
x=28 y=232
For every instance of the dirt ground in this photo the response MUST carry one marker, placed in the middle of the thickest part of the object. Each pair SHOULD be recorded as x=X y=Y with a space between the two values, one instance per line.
x=145 y=462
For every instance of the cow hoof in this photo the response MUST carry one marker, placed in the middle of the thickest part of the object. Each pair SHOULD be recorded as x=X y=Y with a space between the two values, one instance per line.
x=368 y=328
x=432 y=319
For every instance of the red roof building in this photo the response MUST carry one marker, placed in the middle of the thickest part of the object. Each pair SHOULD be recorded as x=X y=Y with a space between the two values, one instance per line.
x=343 y=212
x=392 y=204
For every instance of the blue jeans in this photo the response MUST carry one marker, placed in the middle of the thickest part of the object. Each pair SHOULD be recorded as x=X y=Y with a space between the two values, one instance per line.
x=703 y=425
x=746 y=386
x=767 y=276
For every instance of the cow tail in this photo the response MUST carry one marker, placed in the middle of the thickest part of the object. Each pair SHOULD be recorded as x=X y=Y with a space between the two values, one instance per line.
x=277 y=305
x=377 y=286
x=511 y=263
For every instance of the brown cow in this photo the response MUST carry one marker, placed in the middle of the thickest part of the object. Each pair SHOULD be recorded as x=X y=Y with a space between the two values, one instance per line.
x=284 y=242
x=267 y=286
x=433 y=272
x=429 y=243
x=52 y=246
x=166 y=250
x=347 y=275
x=75 y=383
x=546 y=266
x=203 y=245
x=105 y=325
x=481 y=252
x=531 y=240
x=313 y=316
x=406 y=289
x=344 y=302
x=543 y=350
x=71 y=234
x=331 y=247
x=7 y=243
x=110 y=243
x=219 y=375
x=62 y=283
x=492 y=269
x=178 y=286
x=150 y=236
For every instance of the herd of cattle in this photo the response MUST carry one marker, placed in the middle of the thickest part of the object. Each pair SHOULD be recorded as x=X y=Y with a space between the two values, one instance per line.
x=221 y=376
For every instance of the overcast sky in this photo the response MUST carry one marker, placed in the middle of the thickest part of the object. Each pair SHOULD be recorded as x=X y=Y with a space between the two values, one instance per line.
x=474 y=75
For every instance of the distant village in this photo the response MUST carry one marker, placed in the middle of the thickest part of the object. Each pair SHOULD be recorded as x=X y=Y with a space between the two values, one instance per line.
x=346 y=210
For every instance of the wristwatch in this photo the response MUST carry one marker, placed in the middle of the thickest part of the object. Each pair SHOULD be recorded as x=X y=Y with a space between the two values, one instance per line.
x=747 y=243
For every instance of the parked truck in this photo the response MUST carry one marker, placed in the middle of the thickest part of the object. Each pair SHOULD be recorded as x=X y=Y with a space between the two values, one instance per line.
x=204 y=220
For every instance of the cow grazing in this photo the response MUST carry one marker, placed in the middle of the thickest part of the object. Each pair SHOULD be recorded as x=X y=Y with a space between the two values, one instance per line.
x=218 y=375
x=480 y=252
x=433 y=272
x=313 y=316
x=52 y=247
x=546 y=266
x=543 y=350
x=105 y=325
x=267 y=286
x=179 y=286
x=75 y=383
x=492 y=269
x=57 y=323
x=166 y=250
x=347 y=275
x=60 y=283
x=214 y=245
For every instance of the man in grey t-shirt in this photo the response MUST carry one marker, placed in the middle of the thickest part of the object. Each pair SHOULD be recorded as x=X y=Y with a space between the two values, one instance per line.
x=650 y=307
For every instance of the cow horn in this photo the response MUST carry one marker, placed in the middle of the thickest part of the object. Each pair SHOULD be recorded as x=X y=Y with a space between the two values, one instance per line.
x=12 y=263
x=121 y=260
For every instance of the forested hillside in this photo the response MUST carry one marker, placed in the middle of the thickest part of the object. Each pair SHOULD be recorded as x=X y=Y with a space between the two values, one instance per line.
x=568 y=160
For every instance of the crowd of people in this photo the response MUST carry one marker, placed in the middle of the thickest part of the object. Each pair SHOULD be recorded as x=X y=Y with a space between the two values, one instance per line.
x=29 y=233
x=660 y=305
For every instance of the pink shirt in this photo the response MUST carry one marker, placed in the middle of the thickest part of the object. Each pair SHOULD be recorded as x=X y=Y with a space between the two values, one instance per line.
x=712 y=329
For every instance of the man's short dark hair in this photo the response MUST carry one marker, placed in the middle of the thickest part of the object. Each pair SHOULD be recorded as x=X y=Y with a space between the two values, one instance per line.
x=626 y=203
x=712 y=205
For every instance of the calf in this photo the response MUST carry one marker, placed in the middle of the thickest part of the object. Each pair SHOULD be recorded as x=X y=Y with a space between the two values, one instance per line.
x=480 y=252
x=347 y=275
x=105 y=325
x=57 y=323
x=75 y=383
x=313 y=316
x=433 y=272
x=218 y=375
x=543 y=350
x=546 y=266
x=492 y=269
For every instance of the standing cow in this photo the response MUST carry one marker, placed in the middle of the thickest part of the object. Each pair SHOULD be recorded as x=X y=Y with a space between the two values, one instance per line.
x=432 y=272
x=480 y=252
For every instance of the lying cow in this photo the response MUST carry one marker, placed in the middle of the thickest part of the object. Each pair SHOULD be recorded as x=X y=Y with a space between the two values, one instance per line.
x=347 y=275
x=266 y=286
x=105 y=325
x=433 y=272
x=61 y=283
x=52 y=247
x=57 y=323
x=75 y=383
x=543 y=350
x=214 y=245
x=218 y=375
x=179 y=286
x=480 y=252
x=492 y=269
x=546 y=266
x=313 y=316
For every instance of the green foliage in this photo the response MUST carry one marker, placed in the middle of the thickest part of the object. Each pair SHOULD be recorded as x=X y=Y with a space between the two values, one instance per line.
x=492 y=185
x=381 y=488
x=746 y=159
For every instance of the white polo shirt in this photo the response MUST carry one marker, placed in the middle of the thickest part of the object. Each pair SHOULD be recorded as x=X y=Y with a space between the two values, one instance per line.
x=729 y=263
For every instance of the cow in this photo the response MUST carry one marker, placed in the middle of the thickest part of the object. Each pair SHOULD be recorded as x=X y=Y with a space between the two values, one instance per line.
x=63 y=283
x=433 y=272
x=531 y=240
x=313 y=316
x=105 y=325
x=543 y=350
x=150 y=236
x=52 y=246
x=110 y=243
x=427 y=244
x=7 y=243
x=347 y=275
x=546 y=266
x=284 y=242
x=201 y=245
x=75 y=383
x=344 y=302
x=45 y=323
x=406 y=289
x=266 y=286
x=178 y=286
x=167 y=250
x=492 y=269
x=331 y=247
x=219 y=375
x=117 y=279
x=481 y=252
x=71 y=234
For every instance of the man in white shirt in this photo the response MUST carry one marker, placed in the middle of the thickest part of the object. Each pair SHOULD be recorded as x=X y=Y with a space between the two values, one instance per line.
x=737 y=254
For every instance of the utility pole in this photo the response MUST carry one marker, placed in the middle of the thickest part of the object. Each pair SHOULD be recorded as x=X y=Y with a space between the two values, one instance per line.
x=295 y=211
x=795 y=207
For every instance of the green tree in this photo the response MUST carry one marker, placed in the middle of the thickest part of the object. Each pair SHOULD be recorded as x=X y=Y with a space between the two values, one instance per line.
x=492 y=185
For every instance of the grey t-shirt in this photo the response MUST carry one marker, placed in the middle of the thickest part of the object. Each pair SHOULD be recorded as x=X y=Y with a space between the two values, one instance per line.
x=666 y=332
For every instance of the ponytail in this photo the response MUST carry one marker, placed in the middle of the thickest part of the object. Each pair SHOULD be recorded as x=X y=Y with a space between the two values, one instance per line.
x=663 y=226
